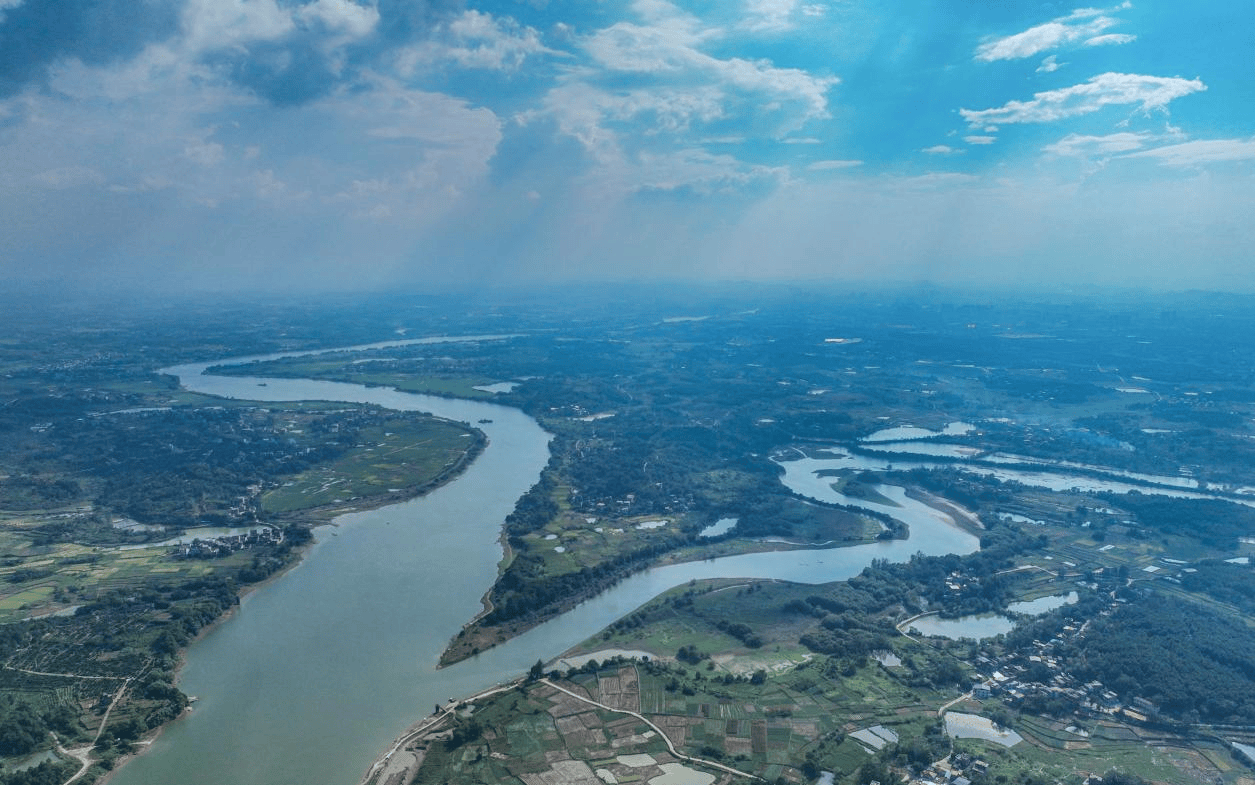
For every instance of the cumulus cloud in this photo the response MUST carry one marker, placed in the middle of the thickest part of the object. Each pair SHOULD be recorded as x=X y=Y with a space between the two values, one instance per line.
x=1202 y=151
x=1048 y=65
x=476 y=40
x=670 y=45
x=287 y=54
x=940 y=149
x=677 y=82
x=37 y=34
x=651 y=88
x=980 y=139
x=584 y=111
x=1148 y=92
x=290 y=53
x=209 y=25
x=1084 y=25
x=667 y=41
x=341 y=15
x=770 y=15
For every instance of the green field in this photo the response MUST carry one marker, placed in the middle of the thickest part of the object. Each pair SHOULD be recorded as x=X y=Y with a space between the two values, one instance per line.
x=401 y=457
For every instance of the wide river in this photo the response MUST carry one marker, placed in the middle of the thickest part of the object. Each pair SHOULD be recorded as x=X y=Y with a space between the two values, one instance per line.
x=319 y=670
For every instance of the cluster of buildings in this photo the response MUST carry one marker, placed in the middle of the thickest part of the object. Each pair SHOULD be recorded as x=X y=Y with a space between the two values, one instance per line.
x=213 y=547
x=955 y=769
x=1036 y=672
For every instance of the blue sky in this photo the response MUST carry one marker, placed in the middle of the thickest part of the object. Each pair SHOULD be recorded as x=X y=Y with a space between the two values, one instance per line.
x=224 y=144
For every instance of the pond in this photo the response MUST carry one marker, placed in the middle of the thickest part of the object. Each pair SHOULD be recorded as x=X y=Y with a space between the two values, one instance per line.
x=905 y=432
x=721 y=526
x=987 y=625
x=974 y=726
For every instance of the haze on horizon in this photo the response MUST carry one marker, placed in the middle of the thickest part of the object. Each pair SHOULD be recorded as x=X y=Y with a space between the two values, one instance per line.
x=272 y=145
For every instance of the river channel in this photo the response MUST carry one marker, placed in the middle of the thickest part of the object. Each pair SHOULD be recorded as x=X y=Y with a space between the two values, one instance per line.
x=319 y=670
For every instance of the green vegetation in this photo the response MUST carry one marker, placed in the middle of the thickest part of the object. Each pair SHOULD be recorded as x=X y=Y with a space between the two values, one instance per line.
x=396 y=458
x=1230 y=583
x=660 y=429
x=1212 y=523
x=100 y=461
x=1189 y=661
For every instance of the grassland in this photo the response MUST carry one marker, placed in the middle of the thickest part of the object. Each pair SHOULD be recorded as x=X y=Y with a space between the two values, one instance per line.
x=399 y=458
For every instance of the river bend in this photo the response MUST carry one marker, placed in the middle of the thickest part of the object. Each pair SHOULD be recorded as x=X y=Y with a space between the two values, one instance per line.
x=319 y=670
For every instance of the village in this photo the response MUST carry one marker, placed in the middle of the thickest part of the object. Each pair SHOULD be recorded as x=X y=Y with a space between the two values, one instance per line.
x=225 y=545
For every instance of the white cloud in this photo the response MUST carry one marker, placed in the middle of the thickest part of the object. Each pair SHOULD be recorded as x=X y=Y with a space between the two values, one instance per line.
x=669 y=46
x=1077 y=145
x=583 y=111
x=1084 y=25
x=696 y=169
x=204 y=153
x=980 y=139
x=268 y=186
x=451 y=141
x=769 y=15
x=1049 y=65
x=1110 y=39
x=219 y=24
x=147 y=184
x=824 y=166
x=940 y=149
x=341 y=15
x=1202 y=151
x=651 y=92
x=7 y=4
x=1149 y=92
x=477 y=40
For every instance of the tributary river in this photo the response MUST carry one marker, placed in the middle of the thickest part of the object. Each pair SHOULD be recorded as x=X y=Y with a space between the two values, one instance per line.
x=319 y=670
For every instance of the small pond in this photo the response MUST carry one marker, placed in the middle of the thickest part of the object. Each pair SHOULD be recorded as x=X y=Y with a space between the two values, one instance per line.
x=721 y=526
x=988 y=625
x=974 y=726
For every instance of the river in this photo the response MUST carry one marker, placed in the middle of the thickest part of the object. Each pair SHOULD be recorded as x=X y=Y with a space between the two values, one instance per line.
x=319 y=670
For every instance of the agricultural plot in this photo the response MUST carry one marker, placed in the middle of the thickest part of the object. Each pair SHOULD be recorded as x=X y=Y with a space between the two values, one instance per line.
x=747 y=725
x=55 y=579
